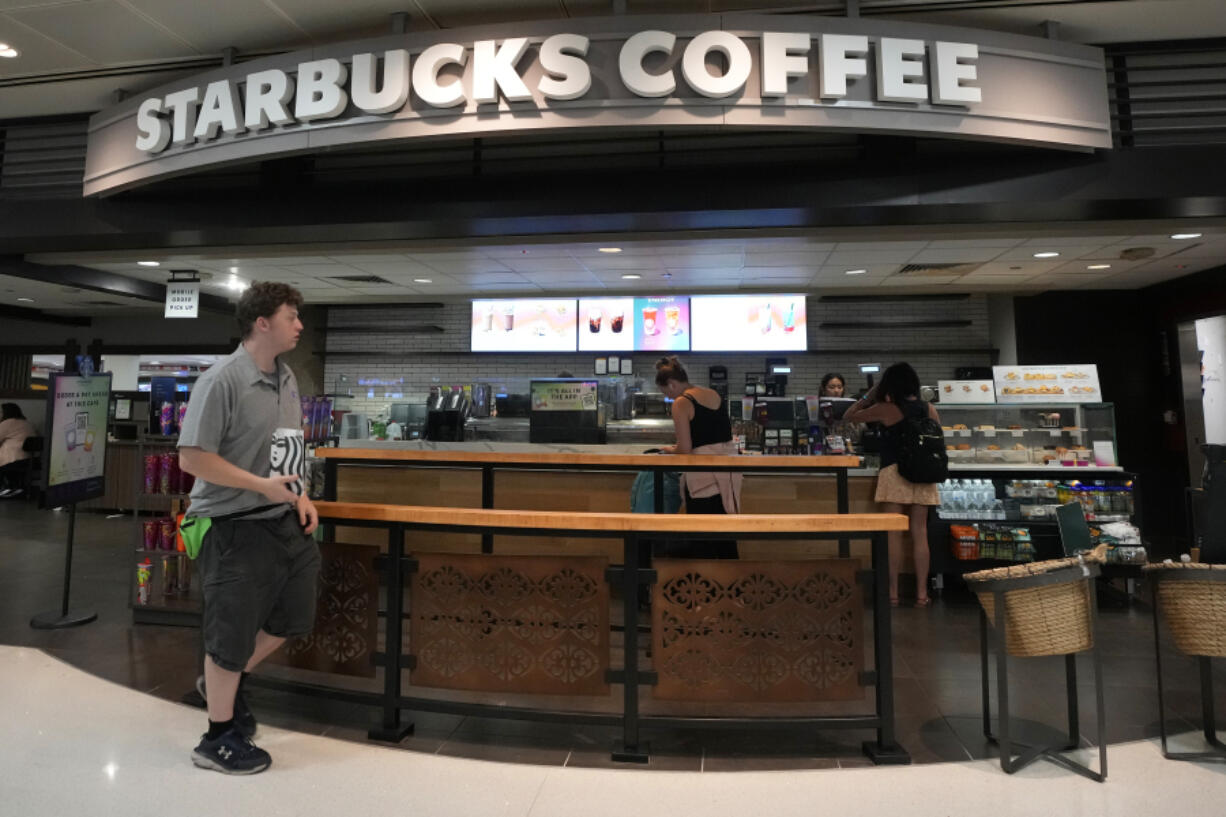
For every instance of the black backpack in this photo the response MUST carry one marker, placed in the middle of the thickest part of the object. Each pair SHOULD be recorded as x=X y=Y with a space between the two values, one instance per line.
x=921 y=450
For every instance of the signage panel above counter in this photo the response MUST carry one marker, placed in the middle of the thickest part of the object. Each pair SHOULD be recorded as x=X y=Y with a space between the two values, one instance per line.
x=627 y=72
x=526 y=325
x=749 y=323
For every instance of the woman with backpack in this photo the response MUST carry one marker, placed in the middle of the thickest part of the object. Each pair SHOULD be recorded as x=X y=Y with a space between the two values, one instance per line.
x=913 y=461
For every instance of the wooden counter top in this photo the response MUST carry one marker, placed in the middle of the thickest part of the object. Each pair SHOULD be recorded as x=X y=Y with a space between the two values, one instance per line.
x=614 y=522
x=551 y=458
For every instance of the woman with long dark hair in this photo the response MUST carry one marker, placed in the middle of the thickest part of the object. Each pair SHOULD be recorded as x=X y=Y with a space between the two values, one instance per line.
x=891 y=401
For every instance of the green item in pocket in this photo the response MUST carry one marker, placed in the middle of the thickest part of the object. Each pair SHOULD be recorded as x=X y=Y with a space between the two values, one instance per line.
x=193 y=530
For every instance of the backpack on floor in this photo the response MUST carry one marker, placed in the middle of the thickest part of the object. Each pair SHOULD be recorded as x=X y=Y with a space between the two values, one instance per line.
x=921 y=450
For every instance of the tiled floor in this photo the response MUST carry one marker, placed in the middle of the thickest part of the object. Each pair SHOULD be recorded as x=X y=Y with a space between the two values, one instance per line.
x=936 y=657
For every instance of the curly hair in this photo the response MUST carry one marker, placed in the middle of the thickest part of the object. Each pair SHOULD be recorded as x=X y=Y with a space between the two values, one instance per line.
x=262 y=300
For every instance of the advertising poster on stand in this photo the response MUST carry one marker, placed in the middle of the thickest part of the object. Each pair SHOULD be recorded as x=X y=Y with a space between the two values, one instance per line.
x=749 y=323
x=76 y=438
x=565 y=395
x=524 y=325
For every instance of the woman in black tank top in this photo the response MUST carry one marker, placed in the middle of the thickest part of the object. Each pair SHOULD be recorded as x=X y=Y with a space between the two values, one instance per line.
x=699 y=419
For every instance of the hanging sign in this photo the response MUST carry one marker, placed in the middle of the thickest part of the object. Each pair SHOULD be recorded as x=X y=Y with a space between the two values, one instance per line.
x=182 y=299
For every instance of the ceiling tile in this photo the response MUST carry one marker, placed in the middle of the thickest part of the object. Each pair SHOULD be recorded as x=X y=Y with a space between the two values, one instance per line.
x=918 y=281
x=972 y=243
x=701 y=260
x=104 y=31
x=908 y=247
x=867 y=258
x=964 y=255
x=216 y=24
x=529 y=264
x=806 y=259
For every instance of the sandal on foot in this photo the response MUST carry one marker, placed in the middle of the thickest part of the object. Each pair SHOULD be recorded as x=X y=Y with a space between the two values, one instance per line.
x=925 y=602
x=893 y=601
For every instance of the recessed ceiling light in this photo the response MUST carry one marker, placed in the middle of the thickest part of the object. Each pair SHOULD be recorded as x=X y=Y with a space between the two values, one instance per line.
x=1181 y=236
x=7 y=50
x=609 y=249
x=1046 y=254
x=156 y=362
x=236 y=284
x=423 y=281
x=234 y=270
x=148 y=263
x=856 y=271
x=631 y=276
x=26 y=300
x=1099 y=266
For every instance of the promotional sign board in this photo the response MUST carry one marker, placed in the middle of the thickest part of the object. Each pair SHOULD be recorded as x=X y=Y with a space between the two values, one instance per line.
x=530 y=325
x=749 y=323
x=563 y=395
x=966 y=391
x=1067 y=383
x=74 y=460
x=628 y=72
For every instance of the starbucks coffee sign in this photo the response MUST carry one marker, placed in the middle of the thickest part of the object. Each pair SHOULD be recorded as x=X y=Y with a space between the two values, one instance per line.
x=624 y=72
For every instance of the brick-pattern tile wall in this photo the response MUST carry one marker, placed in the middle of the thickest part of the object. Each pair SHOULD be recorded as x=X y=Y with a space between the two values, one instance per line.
x=426 y=359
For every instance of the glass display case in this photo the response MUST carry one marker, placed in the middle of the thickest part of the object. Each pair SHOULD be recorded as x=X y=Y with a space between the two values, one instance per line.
x=1052 y=435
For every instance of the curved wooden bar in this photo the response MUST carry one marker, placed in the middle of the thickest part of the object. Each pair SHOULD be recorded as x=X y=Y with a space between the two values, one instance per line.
x=618 y=523
x=588 y=461
x=455 y=596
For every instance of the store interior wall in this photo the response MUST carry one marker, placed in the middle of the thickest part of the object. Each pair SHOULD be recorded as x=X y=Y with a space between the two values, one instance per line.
x=407 y=364
x=144 y=328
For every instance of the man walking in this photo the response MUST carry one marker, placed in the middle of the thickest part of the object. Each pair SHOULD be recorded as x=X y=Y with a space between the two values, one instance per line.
x=258 y=563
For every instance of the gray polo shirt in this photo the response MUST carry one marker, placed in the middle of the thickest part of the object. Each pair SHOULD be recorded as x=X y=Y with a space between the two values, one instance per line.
x=233 y=411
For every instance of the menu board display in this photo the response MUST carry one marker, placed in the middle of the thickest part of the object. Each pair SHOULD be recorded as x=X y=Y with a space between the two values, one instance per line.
x=606 y=325
x=966 y=391
x=1068 y=383
x=526 y=325
x=749 y=323
x=644 y=324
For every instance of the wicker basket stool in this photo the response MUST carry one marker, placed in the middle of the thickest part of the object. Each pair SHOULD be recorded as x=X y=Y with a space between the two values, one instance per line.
x=1192 y=597
x=1043 y=608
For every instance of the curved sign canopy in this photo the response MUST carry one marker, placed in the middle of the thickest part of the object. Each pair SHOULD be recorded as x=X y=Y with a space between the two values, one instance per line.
x=627 y=73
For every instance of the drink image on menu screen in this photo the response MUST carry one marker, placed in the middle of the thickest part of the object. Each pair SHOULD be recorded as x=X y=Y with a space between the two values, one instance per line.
x=525 y=325
x=768 y=323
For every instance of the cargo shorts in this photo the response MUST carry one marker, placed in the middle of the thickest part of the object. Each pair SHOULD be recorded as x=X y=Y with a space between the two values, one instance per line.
x=257 y=574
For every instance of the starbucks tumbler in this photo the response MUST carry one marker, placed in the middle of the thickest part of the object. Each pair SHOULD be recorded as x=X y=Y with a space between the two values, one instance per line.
x=167 y=478
x=166 y=533
x=152 y=467
x=151 y=533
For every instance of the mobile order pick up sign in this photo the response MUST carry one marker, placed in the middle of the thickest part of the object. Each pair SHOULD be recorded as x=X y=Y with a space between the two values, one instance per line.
x=748 y=323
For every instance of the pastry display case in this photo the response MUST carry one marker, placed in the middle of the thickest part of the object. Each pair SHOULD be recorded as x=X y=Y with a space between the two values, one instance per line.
x=1055 y=435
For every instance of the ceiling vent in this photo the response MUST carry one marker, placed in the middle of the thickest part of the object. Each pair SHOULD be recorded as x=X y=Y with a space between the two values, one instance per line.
x=1136 y=253
x=942 y=270
x=102 y=303
x=361 y=279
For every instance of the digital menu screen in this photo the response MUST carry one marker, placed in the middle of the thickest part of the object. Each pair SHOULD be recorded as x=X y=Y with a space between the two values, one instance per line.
x=524 y=325
x=749 y=323
x=643 y=324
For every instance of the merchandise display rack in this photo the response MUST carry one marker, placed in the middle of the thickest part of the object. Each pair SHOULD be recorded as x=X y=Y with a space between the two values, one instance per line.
x=177 y=609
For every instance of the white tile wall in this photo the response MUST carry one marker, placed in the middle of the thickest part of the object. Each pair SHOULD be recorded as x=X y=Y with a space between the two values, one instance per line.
x=444 y=359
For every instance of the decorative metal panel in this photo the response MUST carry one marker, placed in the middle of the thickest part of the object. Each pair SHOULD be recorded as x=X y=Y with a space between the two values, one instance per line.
x=346 y=614
x=727 y=630
x=535 y=624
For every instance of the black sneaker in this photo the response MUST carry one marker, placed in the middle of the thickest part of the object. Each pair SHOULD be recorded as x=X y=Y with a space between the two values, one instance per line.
x=244 y=719
x=231 y=753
